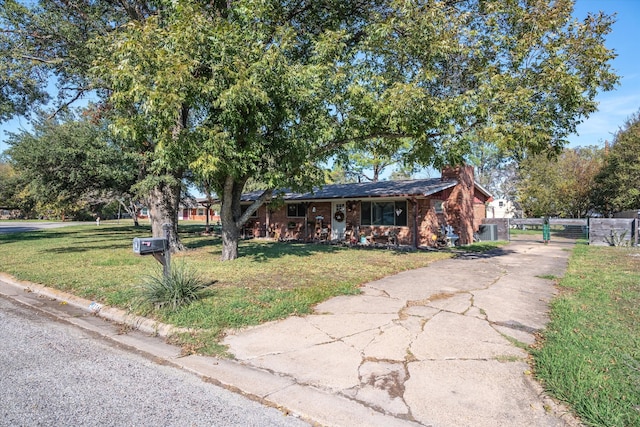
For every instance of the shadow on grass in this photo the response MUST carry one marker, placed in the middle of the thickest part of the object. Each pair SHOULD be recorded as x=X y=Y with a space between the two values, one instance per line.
x=116 y=231
x=77 y=249
x=21 y=236
x=263 y=252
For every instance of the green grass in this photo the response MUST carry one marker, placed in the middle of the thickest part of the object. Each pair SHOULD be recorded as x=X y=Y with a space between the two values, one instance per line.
x=590 y=352
x=269 y=280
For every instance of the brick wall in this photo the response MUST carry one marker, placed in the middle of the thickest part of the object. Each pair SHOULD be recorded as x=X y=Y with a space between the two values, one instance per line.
x=459 y=206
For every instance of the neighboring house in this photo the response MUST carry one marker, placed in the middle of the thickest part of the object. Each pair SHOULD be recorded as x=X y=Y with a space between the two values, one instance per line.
x=193 y=210
x=196 y=210
x=501 y=208
x=413 y=211
x=5 y=213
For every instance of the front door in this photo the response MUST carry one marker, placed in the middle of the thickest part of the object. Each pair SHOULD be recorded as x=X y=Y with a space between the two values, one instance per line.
x=338 y=220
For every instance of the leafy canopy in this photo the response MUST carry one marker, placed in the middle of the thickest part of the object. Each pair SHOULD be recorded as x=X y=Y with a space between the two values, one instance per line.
x=618 y=183
x=560 y=186
x=69 y=161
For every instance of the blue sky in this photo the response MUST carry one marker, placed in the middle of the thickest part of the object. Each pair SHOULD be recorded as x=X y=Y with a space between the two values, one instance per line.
x=617 y=105
x=614 y=107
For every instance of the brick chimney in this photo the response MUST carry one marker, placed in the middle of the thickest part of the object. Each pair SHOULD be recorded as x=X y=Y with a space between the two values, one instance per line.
x=459 y=211
x=462 y=173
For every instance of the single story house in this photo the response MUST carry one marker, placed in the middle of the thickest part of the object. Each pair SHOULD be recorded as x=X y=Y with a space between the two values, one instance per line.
x=196 y=210
x=190 y=210
x=411 y=212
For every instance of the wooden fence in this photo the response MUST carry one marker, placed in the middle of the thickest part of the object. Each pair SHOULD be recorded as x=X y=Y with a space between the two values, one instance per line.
x=613 y=231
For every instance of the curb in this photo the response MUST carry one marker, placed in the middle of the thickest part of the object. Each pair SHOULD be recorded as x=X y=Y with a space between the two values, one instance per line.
x=316 y=406
x=116 y=315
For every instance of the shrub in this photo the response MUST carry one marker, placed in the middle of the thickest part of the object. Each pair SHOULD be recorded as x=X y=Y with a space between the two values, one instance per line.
x=181 y=287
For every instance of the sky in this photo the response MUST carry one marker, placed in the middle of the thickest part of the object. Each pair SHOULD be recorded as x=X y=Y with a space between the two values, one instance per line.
x=615 y=107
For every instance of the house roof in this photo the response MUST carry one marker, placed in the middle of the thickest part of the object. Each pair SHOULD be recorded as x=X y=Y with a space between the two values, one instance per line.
x=406 y=188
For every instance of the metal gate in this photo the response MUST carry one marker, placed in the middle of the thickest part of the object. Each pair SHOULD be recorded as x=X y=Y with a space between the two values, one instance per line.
x=531 y=228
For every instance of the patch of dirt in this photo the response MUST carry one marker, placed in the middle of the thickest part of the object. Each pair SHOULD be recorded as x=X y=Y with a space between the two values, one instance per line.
x=443 y=295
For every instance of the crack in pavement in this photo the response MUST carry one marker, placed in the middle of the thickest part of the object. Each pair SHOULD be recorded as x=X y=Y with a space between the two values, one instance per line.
x=451 y=334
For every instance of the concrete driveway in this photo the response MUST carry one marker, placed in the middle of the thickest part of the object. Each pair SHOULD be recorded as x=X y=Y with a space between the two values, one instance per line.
x=442 y=345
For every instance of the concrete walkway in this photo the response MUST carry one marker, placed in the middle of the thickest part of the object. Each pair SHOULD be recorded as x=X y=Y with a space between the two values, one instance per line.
x=437 y=346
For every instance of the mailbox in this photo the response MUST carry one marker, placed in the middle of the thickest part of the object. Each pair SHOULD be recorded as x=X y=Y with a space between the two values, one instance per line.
x=148 y=246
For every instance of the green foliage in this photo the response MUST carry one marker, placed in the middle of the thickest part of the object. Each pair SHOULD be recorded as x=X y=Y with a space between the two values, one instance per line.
x=559 y=186
x=70 y=163
x=590 y=354
x=617 y=185
x=181 y=287
x=270 y=89
x=22 y=84
x=366 y=161
x=13 y=190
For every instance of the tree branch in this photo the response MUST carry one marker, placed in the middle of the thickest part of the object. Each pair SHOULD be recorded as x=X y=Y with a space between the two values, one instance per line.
x=66 y=104
x=44 y=61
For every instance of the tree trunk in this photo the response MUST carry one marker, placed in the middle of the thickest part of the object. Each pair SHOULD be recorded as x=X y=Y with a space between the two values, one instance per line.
x=232 y=217
x=230 y=214
x=230 y=239
x=164 y=200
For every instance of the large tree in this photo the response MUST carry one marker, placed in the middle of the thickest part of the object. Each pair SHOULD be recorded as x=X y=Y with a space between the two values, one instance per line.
x=617 y=185
x=559 y=186
x=367 y=160
x=269 y=89
x=71 y=163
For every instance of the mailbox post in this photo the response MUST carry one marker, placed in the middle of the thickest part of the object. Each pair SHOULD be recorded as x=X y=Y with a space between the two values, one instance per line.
x=156 y=246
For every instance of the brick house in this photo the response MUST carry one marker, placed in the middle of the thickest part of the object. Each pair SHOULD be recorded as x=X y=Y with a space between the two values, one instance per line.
x=196 y=210
x=190 y=210
x=377 y=211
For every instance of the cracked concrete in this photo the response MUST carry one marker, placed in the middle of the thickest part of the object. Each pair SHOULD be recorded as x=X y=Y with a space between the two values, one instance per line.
x=438 y=346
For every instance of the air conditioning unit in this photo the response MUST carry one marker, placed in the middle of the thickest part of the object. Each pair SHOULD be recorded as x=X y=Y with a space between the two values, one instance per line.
x=488 y=232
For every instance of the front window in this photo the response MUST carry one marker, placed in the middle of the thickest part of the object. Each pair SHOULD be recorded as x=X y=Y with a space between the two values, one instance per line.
x=384 y=213
x=296 y=210
x=437 y=206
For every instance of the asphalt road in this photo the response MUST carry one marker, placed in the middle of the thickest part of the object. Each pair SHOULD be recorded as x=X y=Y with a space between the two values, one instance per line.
x=21 y=226
x=54 y=374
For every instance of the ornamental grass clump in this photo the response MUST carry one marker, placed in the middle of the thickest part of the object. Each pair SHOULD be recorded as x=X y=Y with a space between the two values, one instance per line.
x=181 y=287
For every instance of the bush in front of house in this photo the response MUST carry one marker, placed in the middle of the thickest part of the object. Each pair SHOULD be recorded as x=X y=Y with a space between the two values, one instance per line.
x=181 y=287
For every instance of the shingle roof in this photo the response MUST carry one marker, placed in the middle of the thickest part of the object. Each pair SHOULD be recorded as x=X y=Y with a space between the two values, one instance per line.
x=416 y=187
x=407 y=188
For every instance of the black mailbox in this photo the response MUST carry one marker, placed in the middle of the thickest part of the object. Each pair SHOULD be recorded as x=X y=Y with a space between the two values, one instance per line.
x=150 y=245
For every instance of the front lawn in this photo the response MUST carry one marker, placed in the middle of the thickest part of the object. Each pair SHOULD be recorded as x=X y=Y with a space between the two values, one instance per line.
x=590 y=353
x=269 y=281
